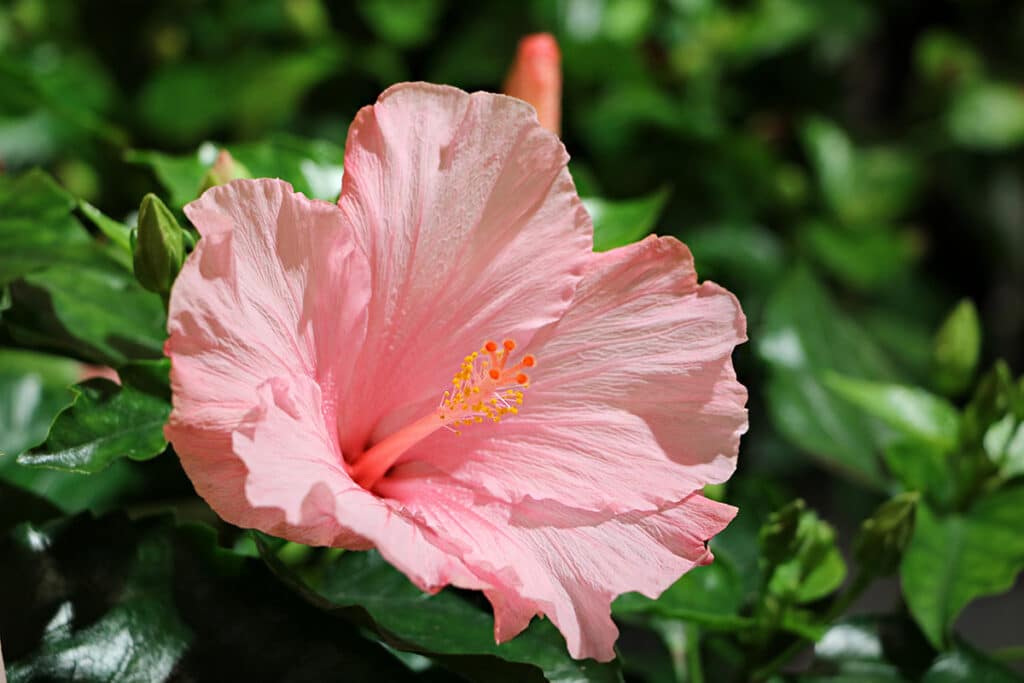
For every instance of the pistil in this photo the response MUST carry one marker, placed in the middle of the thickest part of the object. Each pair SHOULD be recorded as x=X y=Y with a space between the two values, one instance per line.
x=485 y=388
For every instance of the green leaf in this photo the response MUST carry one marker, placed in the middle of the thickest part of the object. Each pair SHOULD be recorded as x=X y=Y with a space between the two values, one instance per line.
x=313 y=167
x=737 y=252
x=865 y=649
x=107 y=422
x=911 y=411
x=867 y=260
x=98 y=313
x=956 y=349
x=862 y=187
x=72 y=295
x=946 y=58
x=247 y=92
x=118 y=233
x=1004 y=445
x=995 y=396
x=967 y=665
x=804 y=335
x=441 y=624
x=143 y=601
x=621 y=222
x=34 y=389
x=920 y=466
x=138 y=636
x=988 y=116
x=404 y=23
x=37 y=229
x=956 y=558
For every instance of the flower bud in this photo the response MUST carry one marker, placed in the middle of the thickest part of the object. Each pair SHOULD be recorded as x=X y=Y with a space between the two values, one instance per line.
x=536 y=77
x=884 y=536
x=778 y=536
x=225 y=169
x=158 y=248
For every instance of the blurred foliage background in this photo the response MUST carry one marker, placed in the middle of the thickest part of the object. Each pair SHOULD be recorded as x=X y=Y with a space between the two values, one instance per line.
x=851 y=169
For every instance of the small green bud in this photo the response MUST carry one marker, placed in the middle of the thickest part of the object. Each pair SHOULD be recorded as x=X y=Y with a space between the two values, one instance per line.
x=956 y=349
x=224 y=170
x=799 y=555
x=158 y=248
x=778 y=535
x=885 y=535
x=994 y=397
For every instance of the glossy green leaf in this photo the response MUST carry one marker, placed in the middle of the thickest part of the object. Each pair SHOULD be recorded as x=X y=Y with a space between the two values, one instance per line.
x=803 y=337
x=97 y=313
x=967 y=665
x=865 y=649
x=37 y=229
x=953 y=559
x=117 y=232
x=1004 y=445
x=441 y=624
x=33 y=390
x=621 y=222
x=136 y=601
x=107 y=421
x=313 y=167
x=988 y=116
x=957 y=349
x=911 y=411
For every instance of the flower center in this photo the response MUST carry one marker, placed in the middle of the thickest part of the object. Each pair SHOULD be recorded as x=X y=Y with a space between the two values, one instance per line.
x=486 y=387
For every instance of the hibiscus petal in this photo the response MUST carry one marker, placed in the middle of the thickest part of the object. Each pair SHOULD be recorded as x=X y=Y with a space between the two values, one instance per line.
x=296 y=487
x=473 y=229
x=564 y=563
x=633 y=403
x=272 y=285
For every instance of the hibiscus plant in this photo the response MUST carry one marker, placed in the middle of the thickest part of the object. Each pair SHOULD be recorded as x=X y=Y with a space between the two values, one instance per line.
x=419 y=402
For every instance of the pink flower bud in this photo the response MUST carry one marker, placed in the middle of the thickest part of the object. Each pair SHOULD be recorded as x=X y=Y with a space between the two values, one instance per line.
x=536 y=77
x=87 y=372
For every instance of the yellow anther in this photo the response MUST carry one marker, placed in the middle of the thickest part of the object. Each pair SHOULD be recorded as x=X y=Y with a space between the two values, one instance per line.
x=486 y=386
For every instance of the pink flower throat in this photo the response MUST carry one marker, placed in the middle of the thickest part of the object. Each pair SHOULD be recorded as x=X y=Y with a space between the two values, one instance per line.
x=483 y=389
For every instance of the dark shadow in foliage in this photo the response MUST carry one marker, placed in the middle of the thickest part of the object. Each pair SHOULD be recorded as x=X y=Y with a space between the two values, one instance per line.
x=84 y=598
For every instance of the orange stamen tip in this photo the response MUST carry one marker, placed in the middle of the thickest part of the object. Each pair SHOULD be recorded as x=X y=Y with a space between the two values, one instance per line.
x=485 y=389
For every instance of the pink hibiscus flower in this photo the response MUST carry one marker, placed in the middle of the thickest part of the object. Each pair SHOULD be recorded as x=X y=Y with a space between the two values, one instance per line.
x=439 y=367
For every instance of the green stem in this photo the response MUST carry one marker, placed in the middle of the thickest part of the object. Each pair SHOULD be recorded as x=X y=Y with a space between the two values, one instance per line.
x=731 y=622
x=839 y=607
x=694 y=668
